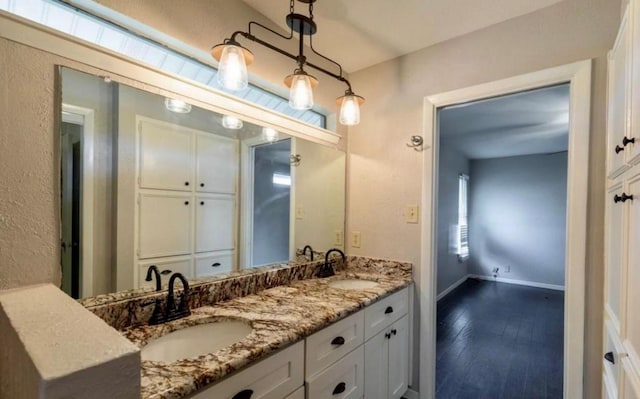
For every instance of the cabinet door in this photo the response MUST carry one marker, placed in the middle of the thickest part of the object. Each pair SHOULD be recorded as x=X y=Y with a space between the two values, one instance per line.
x=376 y=370
x=211 y=265
x=399 y=358
x=618 y=101
x=614 y=250
x=164 y=225
x=215 y=223
x=633 y=149
x=217 y=164
x=631 y=321
x=166 y=156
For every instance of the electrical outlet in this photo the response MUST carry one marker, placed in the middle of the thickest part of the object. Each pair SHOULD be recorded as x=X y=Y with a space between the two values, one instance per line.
x=411 y=214
x=339 y=238
x=299 y=212
x=356 y=239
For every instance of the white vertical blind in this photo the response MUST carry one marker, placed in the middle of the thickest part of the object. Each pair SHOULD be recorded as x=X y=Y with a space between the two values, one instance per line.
x=463 y=222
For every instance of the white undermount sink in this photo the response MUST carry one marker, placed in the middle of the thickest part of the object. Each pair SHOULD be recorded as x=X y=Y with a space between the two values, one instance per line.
x=196 y=340
x=353 y=284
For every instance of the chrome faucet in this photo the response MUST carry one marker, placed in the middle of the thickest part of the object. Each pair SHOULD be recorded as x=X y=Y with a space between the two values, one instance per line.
x=304 y=251
x=327 y=269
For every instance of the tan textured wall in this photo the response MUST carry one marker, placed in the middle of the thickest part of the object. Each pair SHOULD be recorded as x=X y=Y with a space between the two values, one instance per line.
x=385 y=176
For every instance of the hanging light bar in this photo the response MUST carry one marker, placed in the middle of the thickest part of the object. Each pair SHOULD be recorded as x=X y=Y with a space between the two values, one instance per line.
x=233 y=60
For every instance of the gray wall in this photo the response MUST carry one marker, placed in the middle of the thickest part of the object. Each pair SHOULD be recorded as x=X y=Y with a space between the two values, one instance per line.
x=517 y=217
x=451 y=164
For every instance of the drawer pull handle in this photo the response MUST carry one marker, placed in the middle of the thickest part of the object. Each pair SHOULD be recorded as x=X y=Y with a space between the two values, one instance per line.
x=622 y=198
x=216 y=264
x=619 y=149
x=246 y=394
x=626 y=141
x=338 y=341
x=341 y=387
x=388 y=310
x=166 y=271
x=609 y=357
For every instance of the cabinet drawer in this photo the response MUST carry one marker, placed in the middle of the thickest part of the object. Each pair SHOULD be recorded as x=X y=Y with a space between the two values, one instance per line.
x=343 y=380
x=299 y=394
x=329 y=345
x=166 y=269
x=380 y=315
x=211 y=265
x=272 y=378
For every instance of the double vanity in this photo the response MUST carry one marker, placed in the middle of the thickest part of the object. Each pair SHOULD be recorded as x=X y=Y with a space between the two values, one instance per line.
x=277 y=333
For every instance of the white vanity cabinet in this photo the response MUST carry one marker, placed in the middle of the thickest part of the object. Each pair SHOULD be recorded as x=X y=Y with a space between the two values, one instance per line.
x=186 y=198
x=621 y=357
x=275 y=377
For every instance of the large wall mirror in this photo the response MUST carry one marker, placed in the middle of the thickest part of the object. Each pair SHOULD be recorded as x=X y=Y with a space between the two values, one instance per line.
x=150 y=180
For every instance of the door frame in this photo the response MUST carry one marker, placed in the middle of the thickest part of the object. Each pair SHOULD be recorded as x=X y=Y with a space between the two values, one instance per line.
x=85 y=118
x=578 y=75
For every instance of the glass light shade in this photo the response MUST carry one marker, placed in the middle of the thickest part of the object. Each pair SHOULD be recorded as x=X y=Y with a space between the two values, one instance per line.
x=269 y=134
x=177 y=106
x=231 y=122
x=232 y=70
x=350 y=110
x=301 y=93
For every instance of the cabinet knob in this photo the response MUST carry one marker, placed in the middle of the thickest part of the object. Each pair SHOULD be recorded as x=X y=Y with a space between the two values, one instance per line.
x=394 y=332
x=201 y=184
x=166 y=271
x=341 y=387
x=622 y=198
x=626 y=141
x=609 y=357
x=186 y=183
x=338 y=341
x=619 y=149
x=246 y=394
x=201 y=202
x=387 y=335
x=216 y=264
x=186 y=202
x=388 y=310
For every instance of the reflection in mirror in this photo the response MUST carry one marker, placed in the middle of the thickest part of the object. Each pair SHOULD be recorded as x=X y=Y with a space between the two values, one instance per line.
x=149 y=180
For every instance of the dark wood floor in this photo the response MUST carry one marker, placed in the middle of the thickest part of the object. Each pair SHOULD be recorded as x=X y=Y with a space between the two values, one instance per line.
x=499 y=340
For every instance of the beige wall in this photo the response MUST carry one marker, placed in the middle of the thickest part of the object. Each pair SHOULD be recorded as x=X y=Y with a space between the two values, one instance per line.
x=385 y=175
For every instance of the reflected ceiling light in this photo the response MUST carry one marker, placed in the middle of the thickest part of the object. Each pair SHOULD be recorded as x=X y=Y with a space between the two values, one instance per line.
x=233 y=60
x=269 y=134
x=231 y=122
x=177 y=106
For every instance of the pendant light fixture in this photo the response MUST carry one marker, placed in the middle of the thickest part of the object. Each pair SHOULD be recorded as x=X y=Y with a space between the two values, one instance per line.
x=233 y=60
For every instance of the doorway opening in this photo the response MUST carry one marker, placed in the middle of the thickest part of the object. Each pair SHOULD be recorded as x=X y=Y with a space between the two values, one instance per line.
x=501 y=230
x=578 y=77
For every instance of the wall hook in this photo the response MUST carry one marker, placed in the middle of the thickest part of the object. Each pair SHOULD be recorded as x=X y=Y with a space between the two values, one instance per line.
x=416 y=143
x=295 y=159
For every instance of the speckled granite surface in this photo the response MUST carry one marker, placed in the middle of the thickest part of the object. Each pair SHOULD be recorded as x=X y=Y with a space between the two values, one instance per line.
x=280 y=316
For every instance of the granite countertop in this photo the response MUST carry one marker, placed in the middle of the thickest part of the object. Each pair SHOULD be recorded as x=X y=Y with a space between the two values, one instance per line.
x=279 y=316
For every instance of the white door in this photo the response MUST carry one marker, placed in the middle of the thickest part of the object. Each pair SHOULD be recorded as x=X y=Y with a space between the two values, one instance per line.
x=618 y=100
x=376 y=369
x=217 y=164
x=165 y=225
x=215 y=223
x=614 y=250
x=399 y=358
x=631 y=337
x=166 y=156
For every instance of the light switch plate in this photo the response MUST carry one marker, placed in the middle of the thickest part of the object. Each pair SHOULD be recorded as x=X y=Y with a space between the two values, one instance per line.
x=356 y=239
x=339 y=238
x=411 y=214
x=299 y=212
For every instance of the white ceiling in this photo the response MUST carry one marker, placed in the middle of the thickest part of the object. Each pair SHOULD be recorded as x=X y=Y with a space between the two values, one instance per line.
x=361 y=33
x=535 y=122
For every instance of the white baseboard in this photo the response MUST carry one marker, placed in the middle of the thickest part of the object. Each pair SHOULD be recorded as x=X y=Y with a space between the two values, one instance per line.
x=451 y=288
x=411 y=394
x=518 y=282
